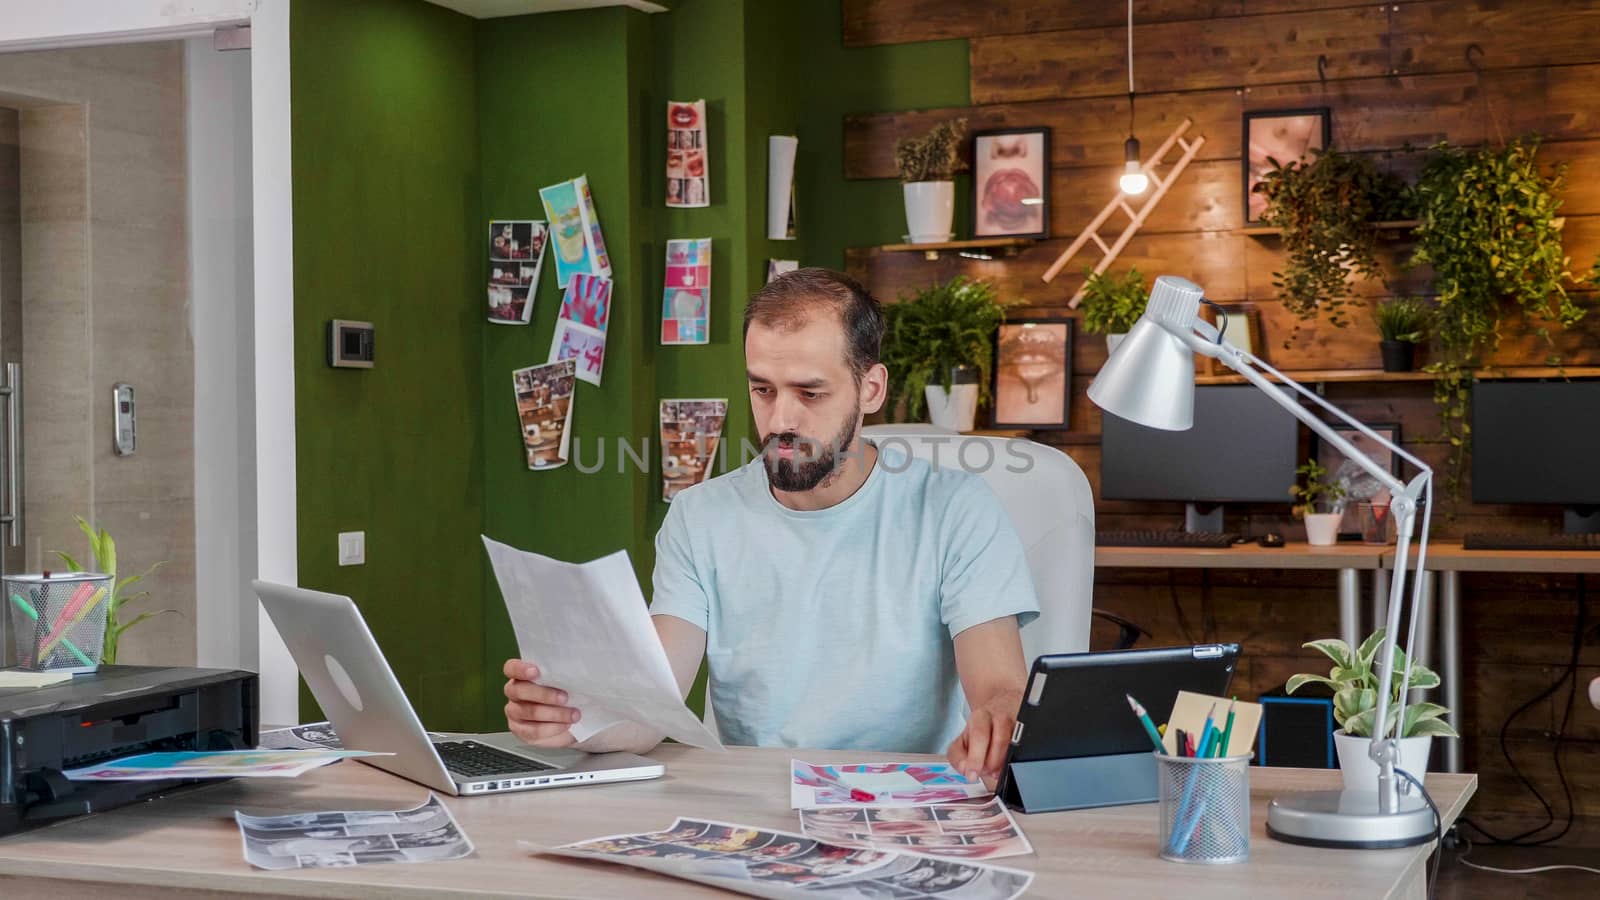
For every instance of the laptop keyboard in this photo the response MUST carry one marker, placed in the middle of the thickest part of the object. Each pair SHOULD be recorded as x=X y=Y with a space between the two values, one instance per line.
x=475 y=760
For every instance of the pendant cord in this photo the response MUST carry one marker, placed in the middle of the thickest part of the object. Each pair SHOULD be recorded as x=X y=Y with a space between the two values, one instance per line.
x=1130 y=67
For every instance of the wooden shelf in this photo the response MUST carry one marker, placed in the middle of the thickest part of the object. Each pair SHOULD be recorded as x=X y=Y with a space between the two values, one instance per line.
x=1007 y=246
x=1323 y=376
x=1396 y=225
x=1268 y=230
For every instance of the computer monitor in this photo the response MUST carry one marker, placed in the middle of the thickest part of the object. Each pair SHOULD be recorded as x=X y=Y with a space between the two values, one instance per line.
x=1538 y=442
x=1243 y=448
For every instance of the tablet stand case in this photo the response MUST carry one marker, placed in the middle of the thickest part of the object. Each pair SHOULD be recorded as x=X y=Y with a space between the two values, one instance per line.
x=1047 y=785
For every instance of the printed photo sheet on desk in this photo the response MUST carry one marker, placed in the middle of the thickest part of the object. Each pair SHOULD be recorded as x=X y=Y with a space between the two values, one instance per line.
x=586 y=626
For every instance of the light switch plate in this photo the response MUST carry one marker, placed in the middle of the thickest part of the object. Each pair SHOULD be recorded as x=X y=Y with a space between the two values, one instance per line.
x=352 y=548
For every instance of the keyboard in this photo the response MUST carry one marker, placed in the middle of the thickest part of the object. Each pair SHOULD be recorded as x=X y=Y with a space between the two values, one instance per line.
x=475 y=760
x=1163 y=539
x=1484 y=541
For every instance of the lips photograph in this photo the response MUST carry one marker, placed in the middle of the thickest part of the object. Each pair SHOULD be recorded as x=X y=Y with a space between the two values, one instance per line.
x=1011 y=182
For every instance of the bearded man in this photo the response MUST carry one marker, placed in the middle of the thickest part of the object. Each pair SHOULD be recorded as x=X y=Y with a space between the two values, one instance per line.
x=844 y=596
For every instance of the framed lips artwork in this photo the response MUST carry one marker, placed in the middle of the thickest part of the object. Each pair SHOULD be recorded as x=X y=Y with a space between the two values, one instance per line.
x=688 y=176
x=1011 y=183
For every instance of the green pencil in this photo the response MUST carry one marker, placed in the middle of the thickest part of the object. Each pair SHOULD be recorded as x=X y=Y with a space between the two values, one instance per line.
x=33 y=614
x=1227 y=730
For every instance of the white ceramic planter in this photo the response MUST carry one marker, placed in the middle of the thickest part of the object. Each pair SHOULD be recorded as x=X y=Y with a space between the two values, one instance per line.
x=930 y=208
x=955 y=411
x=1361 y=773
x=1112 y=340
x=1322 y=529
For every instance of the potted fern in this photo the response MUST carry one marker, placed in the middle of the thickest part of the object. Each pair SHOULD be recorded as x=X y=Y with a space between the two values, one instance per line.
x=1322 y=528
x=938 y=345
x=1112 y=303
x=927 y=167
x=1354 y=682
x=104 y=551
x=1402 y=324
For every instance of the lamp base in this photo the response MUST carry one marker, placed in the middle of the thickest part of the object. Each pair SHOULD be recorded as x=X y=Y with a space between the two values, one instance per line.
x=1348 y=820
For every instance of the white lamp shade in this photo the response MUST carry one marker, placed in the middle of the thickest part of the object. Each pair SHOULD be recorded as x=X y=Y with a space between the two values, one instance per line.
x=1149 y=380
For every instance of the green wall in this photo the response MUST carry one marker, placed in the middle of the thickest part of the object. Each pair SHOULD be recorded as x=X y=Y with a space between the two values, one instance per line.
x=386 y=200
x=413 y=127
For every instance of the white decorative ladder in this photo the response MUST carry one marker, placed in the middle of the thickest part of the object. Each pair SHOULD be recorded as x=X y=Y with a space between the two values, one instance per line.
x=1136 y=217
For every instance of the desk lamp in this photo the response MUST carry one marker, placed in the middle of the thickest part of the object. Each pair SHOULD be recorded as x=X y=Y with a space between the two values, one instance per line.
x=1149 y=380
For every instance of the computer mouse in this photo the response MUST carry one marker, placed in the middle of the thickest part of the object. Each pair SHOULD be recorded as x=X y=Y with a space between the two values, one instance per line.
x=1272 y=539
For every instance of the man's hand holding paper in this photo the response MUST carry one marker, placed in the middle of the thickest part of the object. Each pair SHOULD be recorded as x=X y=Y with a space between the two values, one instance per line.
x=590 y=657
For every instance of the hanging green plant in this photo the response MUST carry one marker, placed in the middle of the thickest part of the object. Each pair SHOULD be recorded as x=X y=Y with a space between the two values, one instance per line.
x=1325 y=210
x=1489 y=230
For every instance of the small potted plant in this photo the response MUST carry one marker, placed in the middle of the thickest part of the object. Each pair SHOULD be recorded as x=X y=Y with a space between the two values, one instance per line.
x=1112 y=303
x=1322 y=528
x=927 y=167
x=1402 y=324
x=938 y=345
x=104 y=551
x=1354 y=682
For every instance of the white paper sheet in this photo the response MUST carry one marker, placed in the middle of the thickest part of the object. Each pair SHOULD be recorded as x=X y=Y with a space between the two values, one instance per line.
x=586 y=627
x=780 y=186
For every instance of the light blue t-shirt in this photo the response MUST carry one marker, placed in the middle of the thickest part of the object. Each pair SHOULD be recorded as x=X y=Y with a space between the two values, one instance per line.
x=833 y=628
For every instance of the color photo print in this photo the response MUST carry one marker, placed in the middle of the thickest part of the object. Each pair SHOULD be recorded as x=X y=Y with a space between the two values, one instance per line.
x=972 y=829
x=544 y=412
x=516 y=254
x=892 y=784
x=324 y=840
x=690 y=433
x=686 y=300
x=765 y=863
x=688 y=172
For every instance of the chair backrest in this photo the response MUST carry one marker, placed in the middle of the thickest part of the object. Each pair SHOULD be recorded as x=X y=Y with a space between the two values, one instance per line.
x=1051 y=507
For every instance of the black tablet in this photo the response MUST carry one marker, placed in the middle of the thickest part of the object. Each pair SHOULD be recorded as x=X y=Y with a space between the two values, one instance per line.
x=1078 y=744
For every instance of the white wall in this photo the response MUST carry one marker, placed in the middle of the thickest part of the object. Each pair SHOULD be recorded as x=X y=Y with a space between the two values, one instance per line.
x=221 y=283
x=30 y=24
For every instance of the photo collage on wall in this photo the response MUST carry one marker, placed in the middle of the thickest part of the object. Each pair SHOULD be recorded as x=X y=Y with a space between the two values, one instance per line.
x=516 y=253
x=688 y=174
x=690 y=433
x=581 y=326
x=544 y=412
x=686 y=301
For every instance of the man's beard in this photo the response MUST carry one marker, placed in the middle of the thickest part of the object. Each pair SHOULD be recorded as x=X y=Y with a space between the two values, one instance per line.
x=813 y=462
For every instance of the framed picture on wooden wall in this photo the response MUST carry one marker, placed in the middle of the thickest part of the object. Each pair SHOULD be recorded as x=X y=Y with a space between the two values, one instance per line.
x=1033 y=374
x=1359 y=486
x=1011 y=183
x=1278 y=135
x=1241 y=327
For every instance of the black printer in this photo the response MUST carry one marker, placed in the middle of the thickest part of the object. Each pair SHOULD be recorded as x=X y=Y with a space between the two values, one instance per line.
x=115 y=712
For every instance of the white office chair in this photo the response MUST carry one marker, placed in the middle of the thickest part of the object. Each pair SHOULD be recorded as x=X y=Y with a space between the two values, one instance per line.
x=1051 y=507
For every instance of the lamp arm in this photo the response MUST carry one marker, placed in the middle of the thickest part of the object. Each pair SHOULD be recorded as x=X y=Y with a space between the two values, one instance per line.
x=1204 y=340
x=1247 y=365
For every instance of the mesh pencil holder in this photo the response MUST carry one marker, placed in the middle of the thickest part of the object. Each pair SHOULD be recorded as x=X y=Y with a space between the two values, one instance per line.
x=57 y=624
x=1205 y=808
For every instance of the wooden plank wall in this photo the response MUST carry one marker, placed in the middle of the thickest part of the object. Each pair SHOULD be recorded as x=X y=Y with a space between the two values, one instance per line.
x=1396 y=76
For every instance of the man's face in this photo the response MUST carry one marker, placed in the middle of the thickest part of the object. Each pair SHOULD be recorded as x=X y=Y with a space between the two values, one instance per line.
x=807 y=406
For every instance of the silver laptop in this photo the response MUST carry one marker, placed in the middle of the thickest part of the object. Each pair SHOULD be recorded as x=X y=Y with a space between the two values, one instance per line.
x=357 y=690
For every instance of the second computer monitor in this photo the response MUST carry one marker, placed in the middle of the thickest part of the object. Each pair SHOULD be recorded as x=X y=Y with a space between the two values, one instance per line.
x=1243 y=448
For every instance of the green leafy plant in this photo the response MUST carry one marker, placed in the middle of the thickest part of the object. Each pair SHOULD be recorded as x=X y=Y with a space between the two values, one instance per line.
x=1313 y=490
x=1112 y=303
x=1488 y=228
x=104 y=550
x=1404 y=319
x=936 y=156
x=1325 y=210
x=927 y=335
x=1354 y=680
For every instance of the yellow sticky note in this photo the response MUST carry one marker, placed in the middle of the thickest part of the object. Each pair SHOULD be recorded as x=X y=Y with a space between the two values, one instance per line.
x=1190 y=711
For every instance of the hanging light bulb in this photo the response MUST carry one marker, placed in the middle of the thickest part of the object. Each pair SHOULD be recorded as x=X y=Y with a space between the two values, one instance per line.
x=1133 y=180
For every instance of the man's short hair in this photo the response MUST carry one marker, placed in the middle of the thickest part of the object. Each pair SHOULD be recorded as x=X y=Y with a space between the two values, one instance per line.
x=790 y=300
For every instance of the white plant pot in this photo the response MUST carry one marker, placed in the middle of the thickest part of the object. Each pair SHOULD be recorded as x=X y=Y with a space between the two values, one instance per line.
x=953 y=411
x=1112 y=340
x=930 y=208
x=1361 y=773
x=1322 y=529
